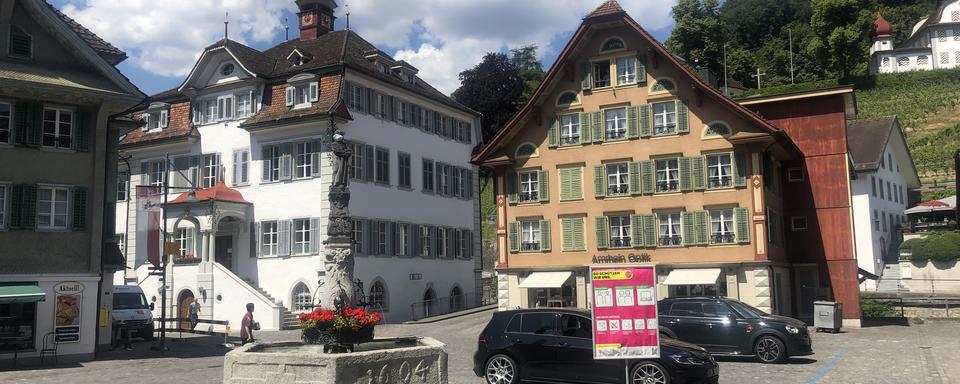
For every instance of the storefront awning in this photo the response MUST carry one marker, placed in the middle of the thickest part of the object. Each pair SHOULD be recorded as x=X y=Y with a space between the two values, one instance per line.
x=21 y=294
x=545 y=279
x=706 y=276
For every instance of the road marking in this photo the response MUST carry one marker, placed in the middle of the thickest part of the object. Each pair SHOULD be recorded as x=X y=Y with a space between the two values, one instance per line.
x=823 y=370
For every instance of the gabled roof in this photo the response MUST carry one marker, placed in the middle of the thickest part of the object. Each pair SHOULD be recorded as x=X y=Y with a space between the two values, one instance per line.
x=930 y=21
x=607 y=11
x=107 y=51
x=867 y=140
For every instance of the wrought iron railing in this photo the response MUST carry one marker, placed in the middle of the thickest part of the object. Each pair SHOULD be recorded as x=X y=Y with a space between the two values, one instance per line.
x=620 y=242
x=450 y=304
x=668 y=241
x=722 y=238
x=720 y=182
x=529 y=196
x=664 y=186
x=526 y=246
x=614 y=190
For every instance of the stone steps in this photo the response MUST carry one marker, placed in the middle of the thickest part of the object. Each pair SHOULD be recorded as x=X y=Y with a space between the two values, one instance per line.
x=288 y=320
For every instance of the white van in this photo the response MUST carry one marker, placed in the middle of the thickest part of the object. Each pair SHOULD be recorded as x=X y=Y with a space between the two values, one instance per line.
x=132 y=310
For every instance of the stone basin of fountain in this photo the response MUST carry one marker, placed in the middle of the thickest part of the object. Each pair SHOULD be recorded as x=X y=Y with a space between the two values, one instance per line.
x=382 y=361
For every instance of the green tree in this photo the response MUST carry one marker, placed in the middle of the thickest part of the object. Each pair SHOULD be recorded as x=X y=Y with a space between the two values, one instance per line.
x=491 y=88
x=697 y=34
x=531 y=71
x=842 y=35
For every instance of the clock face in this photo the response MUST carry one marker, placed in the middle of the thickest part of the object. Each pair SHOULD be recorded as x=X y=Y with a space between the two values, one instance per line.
x=306 y=19
x=325 y=20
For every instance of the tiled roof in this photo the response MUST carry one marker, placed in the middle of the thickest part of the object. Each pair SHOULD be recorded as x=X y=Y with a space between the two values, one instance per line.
x=867 y=139
x=609 y=7
x=219 y=192
x=178 y=127
x=274 y=108
x=108 y=52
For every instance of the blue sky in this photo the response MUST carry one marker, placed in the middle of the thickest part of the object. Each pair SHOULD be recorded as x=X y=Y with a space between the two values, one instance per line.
x=440 y=37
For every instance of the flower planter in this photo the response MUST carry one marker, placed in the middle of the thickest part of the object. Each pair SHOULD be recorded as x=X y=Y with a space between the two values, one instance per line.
x=338 y=332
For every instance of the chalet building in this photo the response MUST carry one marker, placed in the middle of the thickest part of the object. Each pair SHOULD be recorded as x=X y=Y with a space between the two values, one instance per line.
x=623 y=156
x=59 y=92
x=934 y=43
x=885 y=177
x=248 y=132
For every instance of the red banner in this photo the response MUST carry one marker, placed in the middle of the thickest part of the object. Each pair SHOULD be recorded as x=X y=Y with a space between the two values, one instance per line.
x=149 y=216
x=625 y=312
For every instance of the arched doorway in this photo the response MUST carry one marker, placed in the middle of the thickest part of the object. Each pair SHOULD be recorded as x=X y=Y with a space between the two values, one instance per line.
x=302 y=298
x=429 y=301
x=183 y=305
x=456 y=299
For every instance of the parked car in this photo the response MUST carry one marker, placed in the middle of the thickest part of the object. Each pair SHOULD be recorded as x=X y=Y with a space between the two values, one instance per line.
x=556 y=345
x=132 y=311
x=729 y=327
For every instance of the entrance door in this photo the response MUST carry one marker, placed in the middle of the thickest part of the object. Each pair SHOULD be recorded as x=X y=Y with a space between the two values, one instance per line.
x=186 y=298
x=224 y=254
x=429 y=298
x=806 y=284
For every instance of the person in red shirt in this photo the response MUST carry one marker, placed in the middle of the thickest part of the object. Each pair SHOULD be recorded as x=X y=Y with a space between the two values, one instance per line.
x=247 y=326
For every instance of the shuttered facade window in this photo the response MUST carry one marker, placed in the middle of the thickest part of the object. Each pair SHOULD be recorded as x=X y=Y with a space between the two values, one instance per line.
x=570 y=129
x=529 y=186
x=6 y=112
x=269 y=238
x=722 y=226
x=52 y=203
x=428 y=171
x=403 y=170
x=241 y=167
x=669 y=232
x=720 y=170
x=668 y=175
x=572 y=234
x=4 y=199
x=571 y=183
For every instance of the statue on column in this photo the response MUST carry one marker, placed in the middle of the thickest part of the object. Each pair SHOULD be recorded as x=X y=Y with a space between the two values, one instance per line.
x=338 y=282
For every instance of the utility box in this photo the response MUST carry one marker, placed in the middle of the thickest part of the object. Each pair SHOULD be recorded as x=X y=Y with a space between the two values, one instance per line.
x=827 y=316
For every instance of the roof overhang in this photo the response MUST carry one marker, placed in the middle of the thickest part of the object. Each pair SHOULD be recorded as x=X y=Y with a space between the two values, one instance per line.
x=849 y=98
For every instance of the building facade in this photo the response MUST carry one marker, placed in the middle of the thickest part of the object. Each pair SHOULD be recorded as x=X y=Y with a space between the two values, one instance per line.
x=59 y=91
x=624 y=156
x=885 y=176
x=251 y=130
x=934 y=43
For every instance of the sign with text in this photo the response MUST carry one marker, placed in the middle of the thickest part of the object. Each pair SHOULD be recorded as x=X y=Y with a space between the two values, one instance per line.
x=148 y=222
x=66 y=310
x=625 y=312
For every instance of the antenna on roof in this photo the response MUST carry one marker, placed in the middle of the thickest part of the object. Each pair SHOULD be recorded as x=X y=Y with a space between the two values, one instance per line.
x=347 y=4
x=286 y=29
x=226 y=25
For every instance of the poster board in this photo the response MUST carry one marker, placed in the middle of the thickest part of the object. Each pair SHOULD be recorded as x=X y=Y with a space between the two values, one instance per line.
x=624 y=312
x=67 y=308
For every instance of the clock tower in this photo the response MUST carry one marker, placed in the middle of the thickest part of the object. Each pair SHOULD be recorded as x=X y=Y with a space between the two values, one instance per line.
x=316 y=17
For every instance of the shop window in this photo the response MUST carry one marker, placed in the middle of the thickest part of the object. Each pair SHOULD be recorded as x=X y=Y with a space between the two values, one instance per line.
x=564 y=296
x=17 y=322
x=699 y=290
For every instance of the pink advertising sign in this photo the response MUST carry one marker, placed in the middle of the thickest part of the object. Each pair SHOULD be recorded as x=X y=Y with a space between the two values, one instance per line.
x=625 y=312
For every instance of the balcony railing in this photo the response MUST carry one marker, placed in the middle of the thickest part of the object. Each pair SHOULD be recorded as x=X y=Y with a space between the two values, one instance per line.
x=720 y=182
x=722 y=238
x=528 y=246
x=668 y=129
x=616 y=135
x=569 y=140
x=529 y=196
x=666 y=186
x=622 y=189
x=670 y=241
x=620 y=242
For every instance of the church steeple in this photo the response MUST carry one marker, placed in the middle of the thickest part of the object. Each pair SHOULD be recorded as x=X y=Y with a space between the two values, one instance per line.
x=316 y=17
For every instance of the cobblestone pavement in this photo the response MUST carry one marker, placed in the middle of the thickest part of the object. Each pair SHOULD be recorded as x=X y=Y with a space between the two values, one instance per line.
x=923 y=354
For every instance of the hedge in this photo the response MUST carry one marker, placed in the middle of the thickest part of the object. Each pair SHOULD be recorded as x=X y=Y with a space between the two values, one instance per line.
x=942 y=246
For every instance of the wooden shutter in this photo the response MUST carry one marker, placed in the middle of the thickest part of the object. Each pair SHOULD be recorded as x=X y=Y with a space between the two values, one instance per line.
x=315 y=236
x=553 y=132
x=686 y=174
x=513 y=233
x=586 y=127
x=546 y=243
x=566 y=225
x=266 y=161
x=513 y=195
x=641 y=69
x=317 y=147
x=646 y=125
x=703 y=227
x=28 y=206
x=647 y=174
x=543 y=181
x=236 y=168
x=286 y=161
x=603 y=237
x=283 y=248
x=599 y=181
x=565 y=184
x=576 y=183
x=290 y=99
x=369 y=163
x=314 y=91
x=633 y=178
x=21 y=122
x=468 y=178
x=81 y=142
x=414 y=231
x=636 y=231
x=683 y=117
x=739 y=169
x=255 y=239
x=16 y=207
x=688 y=225
x=698 y=172
x=34 y=124
x=596 y=122
x=578 y=234
x=440 y=178
x=586 y=82
x=633 y=123
x=650 y=231
x=742 y=226
x=79 y=208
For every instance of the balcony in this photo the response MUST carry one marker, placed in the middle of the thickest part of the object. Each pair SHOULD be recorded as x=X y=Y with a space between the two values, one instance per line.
x=616 y=135
x=722 y=238
x=529 y=196
x=667 y=186
x=720 y=182
x=671 y=241
x=664 y=130
x=620 y=242
x=530 y=246
x=614 y=190
x=570 y=140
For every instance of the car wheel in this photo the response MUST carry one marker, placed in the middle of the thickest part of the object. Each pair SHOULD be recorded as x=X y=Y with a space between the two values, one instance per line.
x=770 y=350
x=648 y=372
x=664 y=336
x=501 y=369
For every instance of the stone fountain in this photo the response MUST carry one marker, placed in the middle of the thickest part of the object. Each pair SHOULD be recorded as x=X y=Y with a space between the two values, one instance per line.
x=382 y=361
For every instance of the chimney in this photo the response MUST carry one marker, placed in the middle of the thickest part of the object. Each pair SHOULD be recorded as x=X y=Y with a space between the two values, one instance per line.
x=315 y=18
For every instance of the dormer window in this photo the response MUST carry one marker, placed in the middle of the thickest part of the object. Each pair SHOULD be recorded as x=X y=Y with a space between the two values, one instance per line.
x=613 y=44
x=156 y=119
x=224 y=107
x=296 y=58
x=227 y=69
x=301 y=92
x=21 y=43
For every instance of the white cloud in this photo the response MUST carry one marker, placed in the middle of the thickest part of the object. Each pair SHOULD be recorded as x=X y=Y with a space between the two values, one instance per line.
x=166 y=38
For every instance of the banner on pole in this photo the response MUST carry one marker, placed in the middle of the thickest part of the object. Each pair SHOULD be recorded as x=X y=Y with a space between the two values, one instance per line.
x=148 y=222
x=625 y=312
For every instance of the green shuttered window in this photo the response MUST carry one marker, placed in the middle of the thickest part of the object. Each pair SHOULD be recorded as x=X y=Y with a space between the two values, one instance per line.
x=742 y=218
x=603 y=237
x=571 y=183
x=573 y=239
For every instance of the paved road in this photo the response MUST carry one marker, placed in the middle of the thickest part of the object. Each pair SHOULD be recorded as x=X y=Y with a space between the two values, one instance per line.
x=921 y=354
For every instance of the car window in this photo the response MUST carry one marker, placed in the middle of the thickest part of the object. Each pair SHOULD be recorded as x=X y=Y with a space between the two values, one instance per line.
x=538 y=323
x=514 y=325
x=686 y=309
x=576 y=326
x=716 y=310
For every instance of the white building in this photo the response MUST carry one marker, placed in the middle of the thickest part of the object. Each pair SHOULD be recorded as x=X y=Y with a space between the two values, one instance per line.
x=934 y=43
x=884 y=175
x=249 y=127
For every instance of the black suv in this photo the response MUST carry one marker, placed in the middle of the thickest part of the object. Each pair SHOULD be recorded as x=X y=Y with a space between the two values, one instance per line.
x=729 y=327
x=556 y=345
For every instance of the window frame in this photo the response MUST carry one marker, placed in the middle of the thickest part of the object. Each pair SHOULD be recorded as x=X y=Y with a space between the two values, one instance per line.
x=674 y=224
x=617 y=125
x=404 y=170
x=272 y=235
x=666 y=128
x=186 y=241
x=631 y=63
x=158 y=173
x=225 y=104
x=378 y=297
x=726 y=218
x=57 y=136
x=532 y=228
x=359 y=229
x=621 y=237
x=301 y=236
x=9 y=121
x=528 y=191
x=53 y=214
x=123 y=185
x=672 y=184
x=601 y=77
x=428 y=173
x=570 y=129
x=724 y=178
x=210 y=174
x=298 y=295
x=381 y=161
x=303 y=161
x=620 y=186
